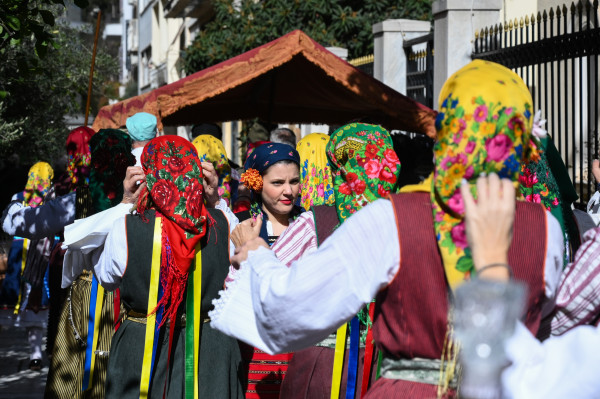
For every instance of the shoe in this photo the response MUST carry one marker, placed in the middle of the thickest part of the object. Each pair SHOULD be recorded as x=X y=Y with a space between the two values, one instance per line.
x=35 y=365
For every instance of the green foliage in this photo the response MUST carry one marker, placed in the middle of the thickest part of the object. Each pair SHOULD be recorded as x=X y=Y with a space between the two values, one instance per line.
x=241 y=25
x=41 y=92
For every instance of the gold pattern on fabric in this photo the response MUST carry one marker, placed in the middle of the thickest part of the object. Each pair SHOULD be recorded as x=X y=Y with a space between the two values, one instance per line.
x=211 y=149
x=315 y=174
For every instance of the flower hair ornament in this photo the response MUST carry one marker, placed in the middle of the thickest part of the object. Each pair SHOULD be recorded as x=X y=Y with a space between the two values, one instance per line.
x=252 y=179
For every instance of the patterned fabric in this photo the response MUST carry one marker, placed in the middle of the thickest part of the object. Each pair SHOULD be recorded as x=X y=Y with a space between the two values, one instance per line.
x=79 y=155
x=364 y=166
x=537 y=184
x=111 y=155
x=578 y=295
x=174 y=189
x=315 y=173
x=38 y=183
x=210 y=149
x=484 y=126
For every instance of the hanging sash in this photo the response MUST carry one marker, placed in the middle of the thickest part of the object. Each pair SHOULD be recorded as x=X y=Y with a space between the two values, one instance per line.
x=353 y=357
x=338 y=361
x=149 y=345
x=192 y=325
x=95 y=313
x=23 y=261
x=368 y=353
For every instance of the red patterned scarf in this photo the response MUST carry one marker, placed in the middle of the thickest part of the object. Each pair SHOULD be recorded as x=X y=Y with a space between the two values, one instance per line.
x=174 y=187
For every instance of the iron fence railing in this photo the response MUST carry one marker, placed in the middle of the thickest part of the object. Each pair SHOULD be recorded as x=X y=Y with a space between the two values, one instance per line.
x=556 y=54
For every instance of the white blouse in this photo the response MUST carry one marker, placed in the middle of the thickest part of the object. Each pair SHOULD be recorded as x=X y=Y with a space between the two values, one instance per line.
x=280 y=309
x=99 y=243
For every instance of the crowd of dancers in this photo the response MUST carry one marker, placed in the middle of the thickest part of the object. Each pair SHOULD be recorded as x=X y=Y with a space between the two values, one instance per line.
x=156 y=267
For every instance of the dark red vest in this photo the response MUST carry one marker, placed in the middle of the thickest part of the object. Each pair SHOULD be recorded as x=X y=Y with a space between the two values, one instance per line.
x=411 y=313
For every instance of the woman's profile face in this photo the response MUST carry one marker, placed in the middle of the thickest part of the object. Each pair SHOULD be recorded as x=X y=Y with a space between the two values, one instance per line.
x=281 y=187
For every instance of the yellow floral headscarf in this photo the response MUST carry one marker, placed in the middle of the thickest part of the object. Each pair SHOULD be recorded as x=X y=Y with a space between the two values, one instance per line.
x=315 y=174
x=211 y=149
x=39 y=182
x=484 y=126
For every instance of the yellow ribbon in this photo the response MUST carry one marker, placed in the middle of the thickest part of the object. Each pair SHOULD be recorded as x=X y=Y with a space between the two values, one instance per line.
x=23 y=260
x=197 y=312
x=338 y=361
x=152 y=300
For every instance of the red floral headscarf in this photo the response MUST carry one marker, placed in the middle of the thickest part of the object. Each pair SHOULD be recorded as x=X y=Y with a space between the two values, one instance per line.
x=174 y=184
x=78 y=151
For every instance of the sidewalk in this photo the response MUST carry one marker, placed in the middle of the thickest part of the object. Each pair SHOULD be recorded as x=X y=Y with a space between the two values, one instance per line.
x=16 y=380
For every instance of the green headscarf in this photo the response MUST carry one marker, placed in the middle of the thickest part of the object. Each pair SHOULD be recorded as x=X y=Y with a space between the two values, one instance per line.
x=364 y=166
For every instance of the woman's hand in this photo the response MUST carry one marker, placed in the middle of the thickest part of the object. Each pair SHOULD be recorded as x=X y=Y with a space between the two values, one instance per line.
x=134 y=182
x=241 y=253
x=211 y=184
x=489 y=223
x=246 y=231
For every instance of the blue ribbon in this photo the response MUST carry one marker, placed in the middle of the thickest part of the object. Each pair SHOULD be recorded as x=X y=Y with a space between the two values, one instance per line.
x=90 y=334
x=353 y=358
x=159 y=316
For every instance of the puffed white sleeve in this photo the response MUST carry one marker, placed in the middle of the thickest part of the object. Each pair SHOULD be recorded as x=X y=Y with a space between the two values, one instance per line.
x=231 y=218
x=280 y=309
x=111 y=265
x=84 y=241
x=43 y=221
x=560 y=367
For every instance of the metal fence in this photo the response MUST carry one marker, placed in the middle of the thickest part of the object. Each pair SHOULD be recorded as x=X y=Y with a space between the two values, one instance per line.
x=419 y=69
x=365 y=63
x=556 y=54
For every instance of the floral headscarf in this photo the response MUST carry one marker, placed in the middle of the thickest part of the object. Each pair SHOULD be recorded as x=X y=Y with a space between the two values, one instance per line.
x=79 y=155
x=364 y=166
x=315 y=173
x=111 y=155
x=174 y=185
x=38 y=183
x=210 y=149
x=484 y=126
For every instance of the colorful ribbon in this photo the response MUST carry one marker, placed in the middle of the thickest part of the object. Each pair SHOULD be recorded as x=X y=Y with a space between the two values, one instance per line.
x=23 y=260
x=353 y=357
x=368 y=353
x=149 y=347
x=192 y=333
x=95 y=313
x=338 y=361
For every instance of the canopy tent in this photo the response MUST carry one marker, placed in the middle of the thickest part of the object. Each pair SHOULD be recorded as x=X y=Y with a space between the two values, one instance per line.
x=292 y=79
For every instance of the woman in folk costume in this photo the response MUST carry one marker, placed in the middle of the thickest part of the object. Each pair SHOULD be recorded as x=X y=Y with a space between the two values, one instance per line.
x=26 y=284
x=361 y=156
x=409 y=251
x=169 y=261
x=273 y=175
x=210 y=149
x=87 y=321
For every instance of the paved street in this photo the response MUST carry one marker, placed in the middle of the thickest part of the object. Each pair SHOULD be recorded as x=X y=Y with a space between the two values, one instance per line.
x=16 y=380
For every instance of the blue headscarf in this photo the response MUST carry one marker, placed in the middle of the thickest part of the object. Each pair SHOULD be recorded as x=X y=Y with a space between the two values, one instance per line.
x=261 y=159
x=141 y=126
x=267 y=154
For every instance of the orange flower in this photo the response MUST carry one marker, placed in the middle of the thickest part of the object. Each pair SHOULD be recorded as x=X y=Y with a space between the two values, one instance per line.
x=252 y=179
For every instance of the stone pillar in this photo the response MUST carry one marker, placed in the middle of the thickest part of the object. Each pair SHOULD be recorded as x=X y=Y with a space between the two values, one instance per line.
x=455 y=23
x=339 y=51
x=390 y=59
